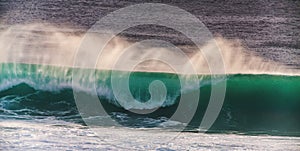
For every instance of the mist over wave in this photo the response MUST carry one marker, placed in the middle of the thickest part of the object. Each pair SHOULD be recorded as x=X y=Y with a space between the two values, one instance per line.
x=46 y=44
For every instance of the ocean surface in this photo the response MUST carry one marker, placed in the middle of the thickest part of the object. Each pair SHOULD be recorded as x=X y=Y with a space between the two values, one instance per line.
x=40 y=87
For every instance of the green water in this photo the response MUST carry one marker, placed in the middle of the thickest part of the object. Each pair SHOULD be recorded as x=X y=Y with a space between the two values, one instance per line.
x=253 y=103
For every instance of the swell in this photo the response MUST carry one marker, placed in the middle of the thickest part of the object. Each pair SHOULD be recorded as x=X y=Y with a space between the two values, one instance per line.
x=253 y=103
x=55 y=79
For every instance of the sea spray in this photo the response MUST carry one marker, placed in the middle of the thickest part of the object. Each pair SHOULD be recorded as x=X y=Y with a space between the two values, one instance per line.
x=50 y=45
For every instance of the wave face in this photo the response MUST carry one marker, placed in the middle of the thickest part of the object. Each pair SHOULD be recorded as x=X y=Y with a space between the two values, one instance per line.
x=253 y=103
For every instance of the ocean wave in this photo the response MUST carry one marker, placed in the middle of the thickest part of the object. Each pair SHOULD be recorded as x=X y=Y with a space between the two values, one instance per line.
x=253 y=102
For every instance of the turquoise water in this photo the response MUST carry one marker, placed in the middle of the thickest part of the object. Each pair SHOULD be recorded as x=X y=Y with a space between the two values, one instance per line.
x=254 y=104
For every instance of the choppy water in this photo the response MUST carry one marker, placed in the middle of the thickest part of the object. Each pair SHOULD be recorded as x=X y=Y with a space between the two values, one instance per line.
x=269 y=28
